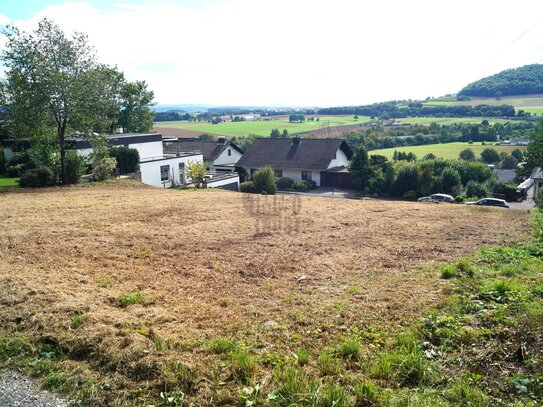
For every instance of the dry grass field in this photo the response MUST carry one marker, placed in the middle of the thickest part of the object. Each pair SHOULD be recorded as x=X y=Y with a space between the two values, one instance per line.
x=128 y=282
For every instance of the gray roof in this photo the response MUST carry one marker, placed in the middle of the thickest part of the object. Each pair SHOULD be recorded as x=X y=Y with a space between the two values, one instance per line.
x=303 y=153
x=210 y=149
x=505 y=176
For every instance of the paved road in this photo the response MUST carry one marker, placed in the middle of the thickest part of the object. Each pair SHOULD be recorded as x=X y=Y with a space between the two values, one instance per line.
x=17 y=390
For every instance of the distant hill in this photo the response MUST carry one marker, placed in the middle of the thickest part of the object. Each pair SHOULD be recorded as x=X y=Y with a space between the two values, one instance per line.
x=526 y=80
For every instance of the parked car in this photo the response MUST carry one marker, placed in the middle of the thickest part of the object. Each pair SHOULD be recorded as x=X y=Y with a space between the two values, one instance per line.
x=437 y=198
x=490 y=202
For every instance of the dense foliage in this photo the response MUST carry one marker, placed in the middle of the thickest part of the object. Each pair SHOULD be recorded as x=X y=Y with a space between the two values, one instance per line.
x=264 y=180
x=525 y=80
x=127 y=159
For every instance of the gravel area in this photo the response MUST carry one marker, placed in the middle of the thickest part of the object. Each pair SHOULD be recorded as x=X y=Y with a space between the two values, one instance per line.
x=17 y=390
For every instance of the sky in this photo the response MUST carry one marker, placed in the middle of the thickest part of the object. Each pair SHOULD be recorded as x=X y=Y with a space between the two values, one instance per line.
x=298 y=52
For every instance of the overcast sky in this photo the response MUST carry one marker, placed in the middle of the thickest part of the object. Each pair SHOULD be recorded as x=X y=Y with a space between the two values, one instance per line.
x=298 y=52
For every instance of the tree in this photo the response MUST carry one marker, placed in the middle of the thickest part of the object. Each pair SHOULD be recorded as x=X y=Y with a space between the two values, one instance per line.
x=490 y=155
x=509 y=162
x=360 y=169
x=264 y=180
x=275 y=133
x=518 y=154
x=534 y=152
x=498 y=95
x=136 y=116
x=450 y=181
x=467 y=154
x=51 y=82
x=196 y=171
x=285 y=133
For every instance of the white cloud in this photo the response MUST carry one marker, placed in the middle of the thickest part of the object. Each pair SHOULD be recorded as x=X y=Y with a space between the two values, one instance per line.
x=307 y=52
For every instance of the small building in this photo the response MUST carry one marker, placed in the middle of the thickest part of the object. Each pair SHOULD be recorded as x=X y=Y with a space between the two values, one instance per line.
x=323 y=161
x=221 y=155
x=537 y=176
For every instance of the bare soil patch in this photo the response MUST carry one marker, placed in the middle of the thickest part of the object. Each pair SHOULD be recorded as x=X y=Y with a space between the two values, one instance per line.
x=208 y=265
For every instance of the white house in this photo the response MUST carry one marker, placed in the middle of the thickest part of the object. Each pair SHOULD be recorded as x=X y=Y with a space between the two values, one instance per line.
x=323 y=161
x=221 y=155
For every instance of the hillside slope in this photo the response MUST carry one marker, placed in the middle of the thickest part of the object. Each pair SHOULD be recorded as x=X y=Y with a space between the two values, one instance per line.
x=526 y=80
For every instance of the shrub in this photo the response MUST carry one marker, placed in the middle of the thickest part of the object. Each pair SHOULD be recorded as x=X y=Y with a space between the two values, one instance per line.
x=304 y=186
x=75 y=167
x=450 y=180
x=410 y=195
x=264 y=180
x=15 y=170
x=103 y=168
x=467 y=155
x=248 y=186
x=476 y=189
x=458 y=199
x=490 y=155
x=127 y=159
x=36 y=178
x=284 y=183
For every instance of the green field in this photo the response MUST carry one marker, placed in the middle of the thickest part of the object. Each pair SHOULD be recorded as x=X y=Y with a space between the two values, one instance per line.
x=449 y=120
x=448 y=151
x=263 y=128
x=528 y=103
x=7 y=182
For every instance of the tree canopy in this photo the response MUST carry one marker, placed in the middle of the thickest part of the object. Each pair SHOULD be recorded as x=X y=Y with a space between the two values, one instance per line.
x=525 y=80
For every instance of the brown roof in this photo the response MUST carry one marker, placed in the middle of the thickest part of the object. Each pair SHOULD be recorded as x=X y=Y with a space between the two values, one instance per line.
x=295 y=153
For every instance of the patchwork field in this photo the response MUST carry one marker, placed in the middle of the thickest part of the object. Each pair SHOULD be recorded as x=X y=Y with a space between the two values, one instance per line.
x=528 y=103
x=262 y=128
x=130 y=291
x=447 y=150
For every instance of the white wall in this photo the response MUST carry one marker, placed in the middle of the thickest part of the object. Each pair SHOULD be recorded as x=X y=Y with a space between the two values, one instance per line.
x=296 y=175
x=340 y=160
x=148 y=150
x=224 y=158
x=8 y=153
x=226 y=181
x=150 y=170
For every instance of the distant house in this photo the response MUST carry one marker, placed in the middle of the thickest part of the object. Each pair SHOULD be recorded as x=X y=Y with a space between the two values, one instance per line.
x=323 y=161
x=221 y=155
x=516 y=142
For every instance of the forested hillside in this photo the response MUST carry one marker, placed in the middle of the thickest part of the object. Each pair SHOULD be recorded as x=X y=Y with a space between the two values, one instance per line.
x=525 y=80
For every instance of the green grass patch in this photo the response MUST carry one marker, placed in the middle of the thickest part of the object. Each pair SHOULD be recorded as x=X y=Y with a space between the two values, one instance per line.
x=446 y=150
x=8 y=182
x=131 y=299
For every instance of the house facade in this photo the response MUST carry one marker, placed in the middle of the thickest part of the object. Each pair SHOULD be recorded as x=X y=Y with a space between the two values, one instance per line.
x=220 y=156
x=323 y=161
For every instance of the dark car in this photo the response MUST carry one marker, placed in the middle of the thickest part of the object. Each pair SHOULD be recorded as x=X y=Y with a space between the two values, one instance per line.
x=437 y=198
x=490 y=202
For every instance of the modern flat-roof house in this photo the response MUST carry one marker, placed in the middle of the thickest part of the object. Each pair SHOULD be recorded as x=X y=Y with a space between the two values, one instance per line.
x=157 y=168
x=221 y=155
x=323 y=161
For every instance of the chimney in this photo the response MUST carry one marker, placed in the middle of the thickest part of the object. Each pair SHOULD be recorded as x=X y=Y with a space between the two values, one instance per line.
x=295 y=141
x=221 y=140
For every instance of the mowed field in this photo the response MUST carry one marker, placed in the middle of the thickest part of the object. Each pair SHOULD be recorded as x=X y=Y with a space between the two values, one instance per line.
x=528 y=103
x=450 y=120
x=446 y=150
x=262 y=127
x=134 y=289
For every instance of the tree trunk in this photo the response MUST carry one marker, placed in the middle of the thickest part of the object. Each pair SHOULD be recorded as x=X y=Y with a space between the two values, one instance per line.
x=61 y=132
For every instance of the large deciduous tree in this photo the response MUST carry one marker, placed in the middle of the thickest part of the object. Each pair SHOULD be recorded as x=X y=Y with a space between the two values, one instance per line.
x=54 y=82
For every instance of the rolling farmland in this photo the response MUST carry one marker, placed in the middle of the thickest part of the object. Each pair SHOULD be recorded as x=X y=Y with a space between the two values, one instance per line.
x=263 y=127
x=528 y=103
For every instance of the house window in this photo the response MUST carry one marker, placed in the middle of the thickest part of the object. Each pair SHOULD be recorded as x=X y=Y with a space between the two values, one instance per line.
x=229 y=152
x=164 y=172
x=335 y=155
x=278 y=173
x=306 y=176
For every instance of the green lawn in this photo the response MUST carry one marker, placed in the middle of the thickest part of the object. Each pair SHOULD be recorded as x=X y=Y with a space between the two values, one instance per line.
x=8 y=182
x=448 y=151
x=263 y=128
